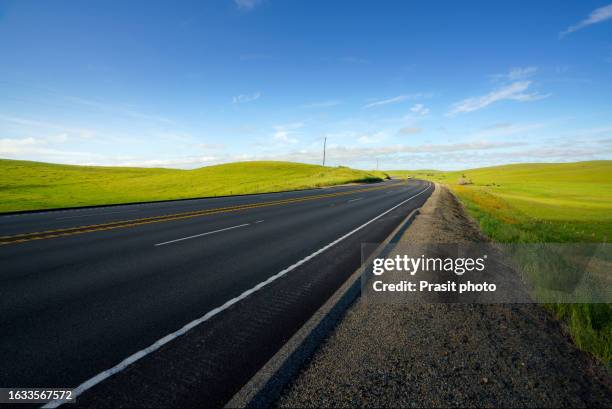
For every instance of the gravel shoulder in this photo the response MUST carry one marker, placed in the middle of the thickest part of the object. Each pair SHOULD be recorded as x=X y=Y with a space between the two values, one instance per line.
x=441 y=355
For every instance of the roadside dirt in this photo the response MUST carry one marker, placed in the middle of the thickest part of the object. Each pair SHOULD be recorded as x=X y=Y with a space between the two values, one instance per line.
x=441 y=355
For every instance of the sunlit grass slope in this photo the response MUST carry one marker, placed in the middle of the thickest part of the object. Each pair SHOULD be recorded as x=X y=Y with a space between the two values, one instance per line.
x=552 y=202
x=33 y=185
x=533 y=203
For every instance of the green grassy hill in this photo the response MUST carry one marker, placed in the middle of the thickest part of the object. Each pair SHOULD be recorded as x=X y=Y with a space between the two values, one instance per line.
x=33 y=185
x=562 y=202
x=544 y=202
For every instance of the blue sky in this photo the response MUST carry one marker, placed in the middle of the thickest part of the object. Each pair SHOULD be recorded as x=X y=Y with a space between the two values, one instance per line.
x=445 y=85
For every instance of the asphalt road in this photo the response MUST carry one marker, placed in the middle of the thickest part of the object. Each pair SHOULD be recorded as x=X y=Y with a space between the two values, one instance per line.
x=83 y=290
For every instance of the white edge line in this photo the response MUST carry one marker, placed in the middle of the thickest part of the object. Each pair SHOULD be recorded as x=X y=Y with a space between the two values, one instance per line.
x=91 y=382
x=201 y=234
x=354 y=200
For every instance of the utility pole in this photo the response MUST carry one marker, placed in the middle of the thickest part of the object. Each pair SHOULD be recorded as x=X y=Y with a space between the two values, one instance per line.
x=324 y=145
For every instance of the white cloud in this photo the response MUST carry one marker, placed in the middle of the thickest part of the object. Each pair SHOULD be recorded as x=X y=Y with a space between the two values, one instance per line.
x=36 y=149
x=323 y=104
x=506 y=129
x=40 y=149
x=514 y=91
x=179 y=162
x=597 y=16
x=284 y=133
x=59 y=138
x=244 y=98
x=247 y=5
x=351 y=154
x=595 y=131
x=419 y=109
x=371 y=137
x=409 y=130
x=9 y=146
x=394 y=100
x=389 y=101
x=120 y=109
x=460 y=155
x=31 y=145
x=29 y=123
x=398 y=99
x=516 y=73
x=530 y=97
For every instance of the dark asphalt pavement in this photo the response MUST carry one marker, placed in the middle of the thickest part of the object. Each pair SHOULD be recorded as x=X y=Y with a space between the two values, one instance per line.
x=76 y=305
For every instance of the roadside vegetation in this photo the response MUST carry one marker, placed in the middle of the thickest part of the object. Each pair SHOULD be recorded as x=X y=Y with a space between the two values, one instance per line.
x=544 y=203
x=33 y=185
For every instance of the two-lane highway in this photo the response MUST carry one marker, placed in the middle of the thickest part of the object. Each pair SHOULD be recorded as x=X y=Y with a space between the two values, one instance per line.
x=177 y=303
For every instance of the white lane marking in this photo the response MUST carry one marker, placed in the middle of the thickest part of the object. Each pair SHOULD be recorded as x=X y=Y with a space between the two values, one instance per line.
x=95 y=214
x=91 y=382
x=201 y=234
x=258 y=221
x=354 y=200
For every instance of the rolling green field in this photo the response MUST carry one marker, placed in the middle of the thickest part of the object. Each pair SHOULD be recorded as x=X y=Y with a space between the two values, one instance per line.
x=33 y=185
x=544 y=203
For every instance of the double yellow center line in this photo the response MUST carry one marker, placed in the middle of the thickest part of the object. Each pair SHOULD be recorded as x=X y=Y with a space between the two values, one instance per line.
x=49 y=234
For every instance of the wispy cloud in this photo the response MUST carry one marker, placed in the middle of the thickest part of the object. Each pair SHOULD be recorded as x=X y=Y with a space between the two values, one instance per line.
x=596 y=131
x=389 y=101
x=247 y=5
x=372 y=137
x=14 y=145
x=120 y=109
x=244 y=98
x=108 y=107
x=458 y=155
x=419 y=109
x=409 y=130
x=39 y=148
x=355 y=154
x=516 y=73
x=398 y=99
x=81 y=133
x=179 y=162
x=284 y=133
x=596 y=16
x=514 y=91
x=507 y=129
x=452 y=155
x=323 y=104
